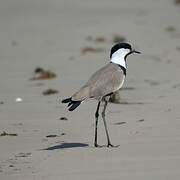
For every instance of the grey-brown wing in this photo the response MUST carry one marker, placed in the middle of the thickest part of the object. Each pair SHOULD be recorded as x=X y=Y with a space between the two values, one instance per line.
x=107 y=80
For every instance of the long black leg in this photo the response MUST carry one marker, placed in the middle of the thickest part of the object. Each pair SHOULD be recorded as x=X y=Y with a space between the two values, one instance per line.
x=105 y=125
x=104 y=120
x=96 y=123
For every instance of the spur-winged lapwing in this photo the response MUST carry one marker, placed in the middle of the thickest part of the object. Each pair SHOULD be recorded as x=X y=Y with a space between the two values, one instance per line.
x=104 y=83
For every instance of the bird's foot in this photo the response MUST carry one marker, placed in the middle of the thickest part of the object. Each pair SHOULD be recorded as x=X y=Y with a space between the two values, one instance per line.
x=96 y=145
x=110 y=145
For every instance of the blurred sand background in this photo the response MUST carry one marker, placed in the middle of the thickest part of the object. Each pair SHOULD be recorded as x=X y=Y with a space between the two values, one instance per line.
x=36 y=142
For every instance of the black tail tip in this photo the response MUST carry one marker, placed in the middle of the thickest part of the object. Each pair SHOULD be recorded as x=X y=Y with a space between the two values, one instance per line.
x=74 y=105
x=71 y=104
x=66 y=100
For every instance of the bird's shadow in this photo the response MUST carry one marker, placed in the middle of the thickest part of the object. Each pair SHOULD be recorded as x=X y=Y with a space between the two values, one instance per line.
x=66 y=146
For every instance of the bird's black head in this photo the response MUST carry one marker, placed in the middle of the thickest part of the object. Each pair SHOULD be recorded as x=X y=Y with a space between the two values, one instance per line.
x=125 y=46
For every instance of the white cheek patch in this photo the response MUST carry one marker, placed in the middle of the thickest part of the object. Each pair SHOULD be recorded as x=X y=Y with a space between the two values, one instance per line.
x=118 y=57
x=124 y=51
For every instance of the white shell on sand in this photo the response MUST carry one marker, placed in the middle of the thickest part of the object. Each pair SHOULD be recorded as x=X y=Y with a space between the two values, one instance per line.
x=18 y=99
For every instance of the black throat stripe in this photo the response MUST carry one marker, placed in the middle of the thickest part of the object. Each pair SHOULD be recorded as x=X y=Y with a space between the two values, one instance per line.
x=123 y=68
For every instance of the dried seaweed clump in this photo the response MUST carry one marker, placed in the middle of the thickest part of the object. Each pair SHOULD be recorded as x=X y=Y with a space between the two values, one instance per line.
x=177 y=2
x=170 y=29
x=63 y=118
x=8 y=134
x=42 y=74
x=89 y=49
x=98 y=39
x=118 y=38
x=50 y=92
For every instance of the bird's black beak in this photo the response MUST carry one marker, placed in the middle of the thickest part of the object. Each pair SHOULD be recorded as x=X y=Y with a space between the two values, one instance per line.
x=134 y=51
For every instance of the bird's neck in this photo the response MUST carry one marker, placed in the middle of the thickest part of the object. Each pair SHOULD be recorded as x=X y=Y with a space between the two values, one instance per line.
x=119 y=58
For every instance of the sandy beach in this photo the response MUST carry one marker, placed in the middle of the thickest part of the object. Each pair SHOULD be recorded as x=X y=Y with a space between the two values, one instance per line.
x=40 y=139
